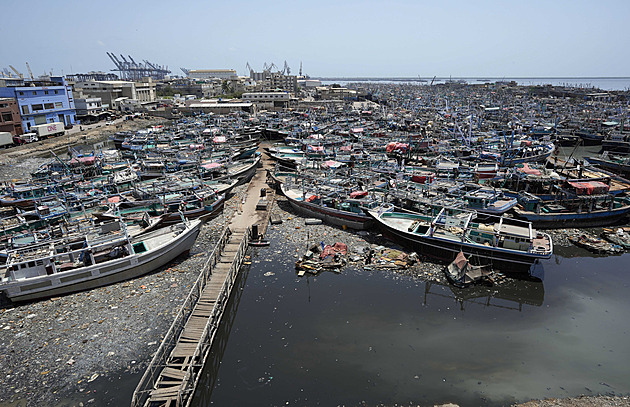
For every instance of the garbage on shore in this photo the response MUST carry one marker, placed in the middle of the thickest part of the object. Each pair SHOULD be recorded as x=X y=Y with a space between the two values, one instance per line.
x=619 y=236
x=323 y=257
x=387 y=258
x=595 y=244
x=326 y=257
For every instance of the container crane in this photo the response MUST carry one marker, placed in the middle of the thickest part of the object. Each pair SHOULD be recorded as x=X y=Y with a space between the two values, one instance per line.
x=16 y=72
x=286 y=70
x=29 y=71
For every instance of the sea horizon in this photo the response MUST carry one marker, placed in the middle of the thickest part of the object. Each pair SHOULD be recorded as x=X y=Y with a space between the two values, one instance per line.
x=610 y=83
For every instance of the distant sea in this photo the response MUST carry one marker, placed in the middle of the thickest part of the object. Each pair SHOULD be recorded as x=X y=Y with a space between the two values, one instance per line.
x=604 y=83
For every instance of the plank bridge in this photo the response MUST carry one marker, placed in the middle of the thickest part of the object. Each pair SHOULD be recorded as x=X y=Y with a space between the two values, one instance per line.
x=172 y=376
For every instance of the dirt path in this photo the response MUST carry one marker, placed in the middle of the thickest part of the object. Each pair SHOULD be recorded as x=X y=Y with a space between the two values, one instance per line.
x=90 y=135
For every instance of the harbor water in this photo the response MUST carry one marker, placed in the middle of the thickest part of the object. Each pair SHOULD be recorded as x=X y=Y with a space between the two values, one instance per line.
x=621 y=83
x=381 y=337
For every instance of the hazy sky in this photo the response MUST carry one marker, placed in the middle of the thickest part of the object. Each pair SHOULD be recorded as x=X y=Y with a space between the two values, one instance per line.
x=484 y=38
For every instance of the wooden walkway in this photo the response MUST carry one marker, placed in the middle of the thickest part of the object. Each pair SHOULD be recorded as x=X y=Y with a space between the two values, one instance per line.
x=187 y=357
x=173 y=374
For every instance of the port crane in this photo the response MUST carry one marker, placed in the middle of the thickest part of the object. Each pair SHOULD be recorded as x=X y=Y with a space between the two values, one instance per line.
x=16 y=72
x=29 y=71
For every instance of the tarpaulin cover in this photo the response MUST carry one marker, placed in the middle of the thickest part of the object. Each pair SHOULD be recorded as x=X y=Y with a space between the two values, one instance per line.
x=329 y=250
x=311 y=198
x=358 y=194
x=528 y=170
x=210 y=166
x=422 y=178
x=219 y=139
x=315 y=148
x=396 y=147
x=332 y=164
x=460 y=261
x=589 y=187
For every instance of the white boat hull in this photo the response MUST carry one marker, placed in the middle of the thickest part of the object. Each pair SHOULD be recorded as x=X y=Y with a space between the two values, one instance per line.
x=109 y=272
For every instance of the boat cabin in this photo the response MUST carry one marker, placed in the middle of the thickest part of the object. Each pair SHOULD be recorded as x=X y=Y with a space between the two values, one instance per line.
x=105 y=242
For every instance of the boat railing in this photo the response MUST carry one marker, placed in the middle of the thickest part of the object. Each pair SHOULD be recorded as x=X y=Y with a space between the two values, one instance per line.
x=160 y=359
x=211 y=328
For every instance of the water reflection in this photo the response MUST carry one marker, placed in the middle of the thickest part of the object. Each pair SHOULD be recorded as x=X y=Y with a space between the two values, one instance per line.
x=513 y=293
x=210 y=372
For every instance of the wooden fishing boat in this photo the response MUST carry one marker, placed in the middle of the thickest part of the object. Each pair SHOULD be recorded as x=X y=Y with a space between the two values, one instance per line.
x=336 y=211
x=573 y=210
x=105 y=256
x=498 y=240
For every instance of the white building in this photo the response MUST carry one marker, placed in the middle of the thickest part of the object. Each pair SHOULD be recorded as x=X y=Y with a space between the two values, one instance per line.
x=266 y=96
x=212 y=73
x=268 y=99
x=109 y=91
x=89 y=105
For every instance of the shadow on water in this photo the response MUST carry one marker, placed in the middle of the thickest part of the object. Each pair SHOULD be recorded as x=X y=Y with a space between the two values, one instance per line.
x=208 y=378
x=511 y=294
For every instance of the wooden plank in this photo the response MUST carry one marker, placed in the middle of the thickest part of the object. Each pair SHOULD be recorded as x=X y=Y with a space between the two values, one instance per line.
x=173 y=390
x=173 y=373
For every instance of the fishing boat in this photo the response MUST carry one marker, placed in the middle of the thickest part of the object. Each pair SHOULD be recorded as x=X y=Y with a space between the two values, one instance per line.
x=106 y=255
x=259 y=243
x=501 y=241
x=344 y=212
x=616 y=163
x=574 y=208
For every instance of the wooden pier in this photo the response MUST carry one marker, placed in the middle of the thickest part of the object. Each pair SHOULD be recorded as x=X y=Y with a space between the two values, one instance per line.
x=172 y=376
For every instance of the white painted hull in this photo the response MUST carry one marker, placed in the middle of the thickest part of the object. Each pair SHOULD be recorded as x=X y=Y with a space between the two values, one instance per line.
x=105 y=273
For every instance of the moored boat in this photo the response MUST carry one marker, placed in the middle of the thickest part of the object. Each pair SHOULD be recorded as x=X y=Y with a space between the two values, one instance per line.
x=454 y=230
x=108 y=255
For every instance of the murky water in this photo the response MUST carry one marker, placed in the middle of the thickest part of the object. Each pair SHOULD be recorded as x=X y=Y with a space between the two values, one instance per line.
x=382 y=338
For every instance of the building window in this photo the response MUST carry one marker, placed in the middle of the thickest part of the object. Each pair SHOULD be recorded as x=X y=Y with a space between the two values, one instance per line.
x=56 y=92
x=25 y=109
x=58 y=105
x=49 y=105
x=34 y=93
x=21 y=93
x=45 y=92
x=7 y=117
x=37 y=108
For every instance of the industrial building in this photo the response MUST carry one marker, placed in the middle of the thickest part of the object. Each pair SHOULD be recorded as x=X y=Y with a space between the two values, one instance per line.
x=90 y=109
x=199 y=88
x=212 y=73
x=10 y=119
x=268 y=99
x=336 y=93
x=110 y=91
x=42 y=101
x=216 y=106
